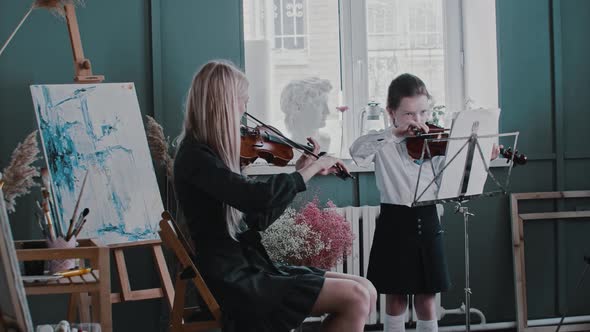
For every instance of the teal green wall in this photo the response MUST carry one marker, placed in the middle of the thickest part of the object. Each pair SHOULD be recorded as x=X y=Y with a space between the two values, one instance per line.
x=158 y=45
x=543 y=71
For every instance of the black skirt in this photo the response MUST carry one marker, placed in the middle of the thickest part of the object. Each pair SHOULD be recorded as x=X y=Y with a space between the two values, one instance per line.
x=407 y=255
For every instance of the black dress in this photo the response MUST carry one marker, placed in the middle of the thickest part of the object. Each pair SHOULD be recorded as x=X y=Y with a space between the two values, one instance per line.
x=254 y=293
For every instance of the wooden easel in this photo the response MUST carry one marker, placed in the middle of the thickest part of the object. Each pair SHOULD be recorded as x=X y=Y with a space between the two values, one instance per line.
x=83 y=74
x=82 y=66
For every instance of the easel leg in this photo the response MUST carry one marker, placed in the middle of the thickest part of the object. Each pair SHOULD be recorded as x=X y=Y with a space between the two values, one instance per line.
x=122 y=274
x=162 y=269
x=103 y=301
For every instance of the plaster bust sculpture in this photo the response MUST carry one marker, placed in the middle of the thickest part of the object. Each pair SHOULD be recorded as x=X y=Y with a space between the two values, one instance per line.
x=305 y=104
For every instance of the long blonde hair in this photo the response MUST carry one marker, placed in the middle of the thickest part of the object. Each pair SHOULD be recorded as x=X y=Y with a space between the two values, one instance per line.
x=212 y=118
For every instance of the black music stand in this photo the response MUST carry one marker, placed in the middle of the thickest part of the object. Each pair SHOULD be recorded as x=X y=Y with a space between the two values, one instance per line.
x=463 y=171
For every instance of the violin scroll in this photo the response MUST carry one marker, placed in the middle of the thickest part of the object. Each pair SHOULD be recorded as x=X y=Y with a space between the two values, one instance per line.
x=519 y=158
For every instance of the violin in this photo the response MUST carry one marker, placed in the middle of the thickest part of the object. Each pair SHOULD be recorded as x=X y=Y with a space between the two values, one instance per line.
x=415 y=145
x=268 y=143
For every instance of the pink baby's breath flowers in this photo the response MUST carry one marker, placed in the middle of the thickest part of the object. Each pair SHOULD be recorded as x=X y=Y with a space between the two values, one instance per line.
x=313 y=236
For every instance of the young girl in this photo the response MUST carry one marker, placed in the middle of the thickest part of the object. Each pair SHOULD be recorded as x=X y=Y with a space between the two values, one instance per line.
x=407 y=255
x=225 y=210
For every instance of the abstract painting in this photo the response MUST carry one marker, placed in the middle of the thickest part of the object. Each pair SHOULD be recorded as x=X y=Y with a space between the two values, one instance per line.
x=96 y=129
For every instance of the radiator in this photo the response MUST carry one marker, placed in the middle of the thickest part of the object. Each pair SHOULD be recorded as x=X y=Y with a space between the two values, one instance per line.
x=362 y=222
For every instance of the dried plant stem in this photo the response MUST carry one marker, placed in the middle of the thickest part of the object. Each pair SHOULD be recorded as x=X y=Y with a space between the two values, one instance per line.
x=16 y=29
x=19 y=174
x=158 y=145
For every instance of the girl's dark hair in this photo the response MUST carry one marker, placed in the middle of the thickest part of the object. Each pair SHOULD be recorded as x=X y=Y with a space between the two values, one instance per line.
x=405 y=85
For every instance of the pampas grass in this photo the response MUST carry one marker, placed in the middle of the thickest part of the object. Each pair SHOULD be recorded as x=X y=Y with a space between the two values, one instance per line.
x=18 y=175
x=159 y=146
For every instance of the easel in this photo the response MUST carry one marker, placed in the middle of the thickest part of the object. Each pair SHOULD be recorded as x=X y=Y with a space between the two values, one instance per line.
x=470 y=165
x=82 y=66
x=83 y=74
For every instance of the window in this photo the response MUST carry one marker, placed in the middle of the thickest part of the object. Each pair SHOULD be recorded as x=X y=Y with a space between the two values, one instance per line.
x=412 y=42
x=289 y=24
x=355 y=48
x=292 y=53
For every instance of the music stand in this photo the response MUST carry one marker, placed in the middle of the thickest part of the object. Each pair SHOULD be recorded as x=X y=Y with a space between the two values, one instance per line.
x=463 y=171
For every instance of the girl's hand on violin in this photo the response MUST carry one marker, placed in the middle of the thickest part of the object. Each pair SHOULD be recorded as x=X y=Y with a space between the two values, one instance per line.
x=409 y=129
x=496 y=151
x=306 y=159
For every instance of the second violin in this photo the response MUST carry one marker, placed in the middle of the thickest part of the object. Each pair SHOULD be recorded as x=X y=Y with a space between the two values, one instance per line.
x=415 y=145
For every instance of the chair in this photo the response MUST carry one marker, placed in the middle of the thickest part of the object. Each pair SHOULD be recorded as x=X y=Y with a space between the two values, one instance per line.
x=194 y=318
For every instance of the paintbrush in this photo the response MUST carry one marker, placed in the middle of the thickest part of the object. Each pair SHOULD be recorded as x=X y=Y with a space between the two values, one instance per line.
x=70 y=228
x=80 y=228
x=80 y=222
x=47 y=194
x=48 y=220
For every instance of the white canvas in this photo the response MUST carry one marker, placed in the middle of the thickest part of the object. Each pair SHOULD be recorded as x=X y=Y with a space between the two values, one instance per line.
x=98 y=128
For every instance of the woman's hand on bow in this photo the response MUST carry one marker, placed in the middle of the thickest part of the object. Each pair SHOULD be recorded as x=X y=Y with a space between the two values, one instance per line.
x=306 y=159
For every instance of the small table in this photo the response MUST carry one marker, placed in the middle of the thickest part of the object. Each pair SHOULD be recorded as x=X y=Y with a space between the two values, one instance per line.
x=98 y=288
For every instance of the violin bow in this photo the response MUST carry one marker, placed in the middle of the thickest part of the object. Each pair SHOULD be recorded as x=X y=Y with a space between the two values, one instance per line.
x=293 y=144
x=283 y=137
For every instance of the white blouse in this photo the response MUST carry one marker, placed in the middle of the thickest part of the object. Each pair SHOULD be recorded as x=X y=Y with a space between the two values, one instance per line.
x=396 y=172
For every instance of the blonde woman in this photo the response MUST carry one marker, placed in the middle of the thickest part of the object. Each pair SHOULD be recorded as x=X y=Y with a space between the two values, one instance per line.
x=225 y=210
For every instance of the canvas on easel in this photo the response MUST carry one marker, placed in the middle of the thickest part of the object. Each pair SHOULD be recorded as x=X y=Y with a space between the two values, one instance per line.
x=14 y=308
x=97 y=128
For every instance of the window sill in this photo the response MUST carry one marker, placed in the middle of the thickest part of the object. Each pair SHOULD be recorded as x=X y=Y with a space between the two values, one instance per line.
x=266 y=169
x=263 y=168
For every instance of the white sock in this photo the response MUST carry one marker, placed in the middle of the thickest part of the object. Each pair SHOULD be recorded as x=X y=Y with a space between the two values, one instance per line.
x=427 y=326
x=394 y=323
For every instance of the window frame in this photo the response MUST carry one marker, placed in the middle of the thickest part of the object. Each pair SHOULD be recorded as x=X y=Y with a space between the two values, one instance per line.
x=462 y=78
x=354 y=60
x=285 y=56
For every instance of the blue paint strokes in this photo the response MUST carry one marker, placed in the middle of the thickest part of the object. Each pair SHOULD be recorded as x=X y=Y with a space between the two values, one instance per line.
x=118 y=204
x=136 y=234
x=76 y=95
x=65 y=160
x=107 y=130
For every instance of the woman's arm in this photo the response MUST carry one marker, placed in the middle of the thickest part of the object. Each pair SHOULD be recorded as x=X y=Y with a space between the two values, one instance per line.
x=209 y=174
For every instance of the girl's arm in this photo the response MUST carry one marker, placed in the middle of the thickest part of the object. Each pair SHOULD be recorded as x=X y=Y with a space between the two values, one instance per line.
x=363 y=150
